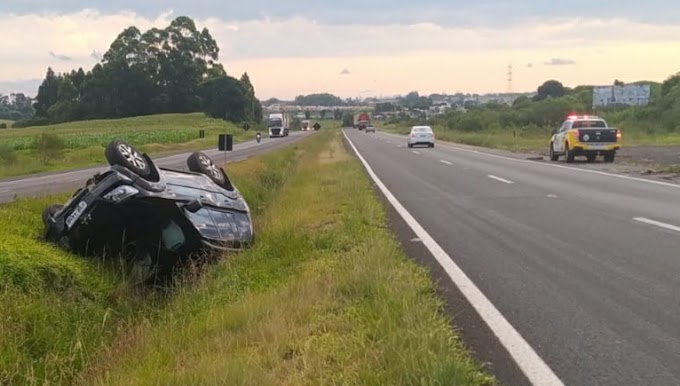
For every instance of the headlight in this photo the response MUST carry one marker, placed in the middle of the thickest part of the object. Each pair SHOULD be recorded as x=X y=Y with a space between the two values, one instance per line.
x=121 y=193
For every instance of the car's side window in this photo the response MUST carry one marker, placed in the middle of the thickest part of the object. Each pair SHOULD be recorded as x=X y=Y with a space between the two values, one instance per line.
x=566 y=126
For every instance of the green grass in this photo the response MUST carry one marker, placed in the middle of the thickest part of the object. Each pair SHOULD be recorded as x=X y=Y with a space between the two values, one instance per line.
x=85 y=140
x=534 y=139
x=60 y=310
x=325 y=297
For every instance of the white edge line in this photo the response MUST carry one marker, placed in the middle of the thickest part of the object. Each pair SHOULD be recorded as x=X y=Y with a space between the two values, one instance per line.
x=558 y=166
x=531 y=364
x=415 y=152
x=657 y=223
x=500 y=179
x=445 y=162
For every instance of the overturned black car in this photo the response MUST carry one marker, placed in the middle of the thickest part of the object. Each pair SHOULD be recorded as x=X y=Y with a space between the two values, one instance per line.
x=155 y=217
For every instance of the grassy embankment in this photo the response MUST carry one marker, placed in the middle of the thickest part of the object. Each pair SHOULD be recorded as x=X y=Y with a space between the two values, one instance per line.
x=84 y=141
x=6 y=122
x=325 y=297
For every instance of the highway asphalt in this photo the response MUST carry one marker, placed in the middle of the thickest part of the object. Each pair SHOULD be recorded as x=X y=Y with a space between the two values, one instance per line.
x=49 y=183
x=585 y=266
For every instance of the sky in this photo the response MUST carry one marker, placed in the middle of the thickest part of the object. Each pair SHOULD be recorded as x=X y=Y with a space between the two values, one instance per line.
x=365 y=48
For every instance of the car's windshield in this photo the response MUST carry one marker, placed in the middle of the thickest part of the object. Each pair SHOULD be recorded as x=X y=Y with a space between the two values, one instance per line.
x=218 y=225
x=422 y=130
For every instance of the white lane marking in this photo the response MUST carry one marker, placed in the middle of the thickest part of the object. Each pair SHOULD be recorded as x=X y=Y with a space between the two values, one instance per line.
x=531 y=364
x=445 y=162
x=415 y=152
x=552 y=196
x=561 y=167
x=657 y=223
x=500 y=179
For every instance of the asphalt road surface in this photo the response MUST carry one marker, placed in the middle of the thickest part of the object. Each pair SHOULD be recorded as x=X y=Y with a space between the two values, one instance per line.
x=585 y=266
x=49 y=183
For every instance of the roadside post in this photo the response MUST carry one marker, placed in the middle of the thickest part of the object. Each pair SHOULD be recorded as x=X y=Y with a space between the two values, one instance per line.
x=225 y=144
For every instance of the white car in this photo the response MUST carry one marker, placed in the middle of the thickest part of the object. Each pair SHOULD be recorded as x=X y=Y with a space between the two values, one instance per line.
x=420 y=135
x=370 y=129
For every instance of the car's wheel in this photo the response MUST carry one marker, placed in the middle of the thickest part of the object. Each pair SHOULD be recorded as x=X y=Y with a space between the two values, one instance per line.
x=122 y=154
x=553 y=156
x=50 y=211
x=591 y=158
x=199 y=162
x=568 y=154
x=609 y=156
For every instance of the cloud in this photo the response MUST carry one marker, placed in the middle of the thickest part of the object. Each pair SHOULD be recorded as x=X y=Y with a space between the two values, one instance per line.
x=499 y=13
x=344 y=71
x=559 y=62
x=60 y=57
x=267 y=44
x=28 y=87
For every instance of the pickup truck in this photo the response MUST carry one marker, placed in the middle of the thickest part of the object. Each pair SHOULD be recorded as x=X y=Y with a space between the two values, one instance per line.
x=585 y=135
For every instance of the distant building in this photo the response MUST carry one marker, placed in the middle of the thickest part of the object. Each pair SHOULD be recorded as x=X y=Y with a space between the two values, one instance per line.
x=628 y=95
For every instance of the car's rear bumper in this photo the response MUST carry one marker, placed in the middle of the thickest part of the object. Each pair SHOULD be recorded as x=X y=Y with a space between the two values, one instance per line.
x=599 y=148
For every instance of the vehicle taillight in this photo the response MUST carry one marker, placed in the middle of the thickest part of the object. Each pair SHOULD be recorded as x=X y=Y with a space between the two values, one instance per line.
x=618 y=135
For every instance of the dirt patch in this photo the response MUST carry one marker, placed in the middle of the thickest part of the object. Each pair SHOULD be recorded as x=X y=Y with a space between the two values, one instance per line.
x=652 y=162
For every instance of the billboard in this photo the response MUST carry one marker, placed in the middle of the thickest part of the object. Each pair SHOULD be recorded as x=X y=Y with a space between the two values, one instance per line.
x=627 y=95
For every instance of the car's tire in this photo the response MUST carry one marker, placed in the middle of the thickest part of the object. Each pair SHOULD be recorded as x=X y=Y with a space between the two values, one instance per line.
x=568 y=154
x=50 y=211
x=553 y=156
x=199 y=162
x=591 y=158
x=122 y=154
x=609 y=156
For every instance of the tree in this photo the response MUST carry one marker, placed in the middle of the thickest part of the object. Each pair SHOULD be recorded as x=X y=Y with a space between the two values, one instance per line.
x=324 y=99
x=156 y=71
x=47 y=94
x=550 y=89
x=308 y=114
x=225 y=98
x=67 y=102
x=618 y=83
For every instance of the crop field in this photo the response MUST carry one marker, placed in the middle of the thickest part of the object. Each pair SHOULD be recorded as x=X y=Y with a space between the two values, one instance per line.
x=79 y=144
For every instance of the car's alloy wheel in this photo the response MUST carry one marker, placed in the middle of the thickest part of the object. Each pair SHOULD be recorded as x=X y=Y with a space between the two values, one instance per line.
x=122 y=154
x=210 y=167
x=132 y=156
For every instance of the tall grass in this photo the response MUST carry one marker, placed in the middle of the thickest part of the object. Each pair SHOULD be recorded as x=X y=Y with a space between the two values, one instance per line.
x=58 y=311
x=325 y=297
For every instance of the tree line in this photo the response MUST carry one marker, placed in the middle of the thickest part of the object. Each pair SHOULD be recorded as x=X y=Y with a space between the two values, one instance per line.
x=15 y=107
x=553 y=102
x=170 y=70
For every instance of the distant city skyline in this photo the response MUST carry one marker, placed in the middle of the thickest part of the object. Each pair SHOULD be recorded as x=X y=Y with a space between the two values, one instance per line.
x=432 y=46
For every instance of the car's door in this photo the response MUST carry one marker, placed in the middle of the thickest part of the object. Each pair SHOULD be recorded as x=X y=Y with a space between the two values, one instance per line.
x=558 y=143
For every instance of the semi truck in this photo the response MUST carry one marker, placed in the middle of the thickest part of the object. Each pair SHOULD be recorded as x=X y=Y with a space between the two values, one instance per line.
x=278 y=124
x=361 y=120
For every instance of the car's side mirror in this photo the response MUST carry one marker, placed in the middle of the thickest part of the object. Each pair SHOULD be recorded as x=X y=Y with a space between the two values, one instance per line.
x=193 y=206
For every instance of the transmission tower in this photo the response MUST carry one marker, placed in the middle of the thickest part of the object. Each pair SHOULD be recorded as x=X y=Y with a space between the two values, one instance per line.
x=509 y=78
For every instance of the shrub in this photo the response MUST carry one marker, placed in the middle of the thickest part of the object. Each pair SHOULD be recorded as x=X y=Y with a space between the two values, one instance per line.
x=49 y=147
